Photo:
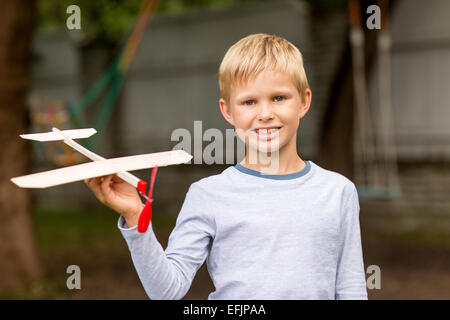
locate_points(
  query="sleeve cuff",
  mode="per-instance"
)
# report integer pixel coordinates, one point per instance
(131, 234)
(127, 233)
(122, 224)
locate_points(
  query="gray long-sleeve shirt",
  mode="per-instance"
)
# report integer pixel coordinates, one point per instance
(294, 236)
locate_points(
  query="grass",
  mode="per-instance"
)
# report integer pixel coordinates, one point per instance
(91, 239)
(82, 229)
(414, 237)
(88, 238)
(408, 228)
(72, 230)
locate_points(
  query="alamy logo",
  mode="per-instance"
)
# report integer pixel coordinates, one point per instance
(374, 20)
(262, 145)
(374, 280)
(73, 281)
(74, 20)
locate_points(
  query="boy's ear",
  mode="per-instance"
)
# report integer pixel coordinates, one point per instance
(226, 111)
(306, 103)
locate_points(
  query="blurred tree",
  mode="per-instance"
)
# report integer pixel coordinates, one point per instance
(19, 261)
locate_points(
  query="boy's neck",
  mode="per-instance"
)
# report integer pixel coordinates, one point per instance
(273, 163)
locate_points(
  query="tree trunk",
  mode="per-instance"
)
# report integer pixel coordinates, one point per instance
(19, 262)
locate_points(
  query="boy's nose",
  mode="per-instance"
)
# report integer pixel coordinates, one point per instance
(265, 112)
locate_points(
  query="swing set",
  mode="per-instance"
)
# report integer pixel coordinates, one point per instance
(375, 155)
(48, 113)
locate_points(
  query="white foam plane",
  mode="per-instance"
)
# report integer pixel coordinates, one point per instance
(99, 166)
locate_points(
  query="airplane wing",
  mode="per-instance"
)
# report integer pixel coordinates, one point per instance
(101, 168)
(54, 136)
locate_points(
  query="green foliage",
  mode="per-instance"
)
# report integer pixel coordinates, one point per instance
(327, 5)
(108, 20)
(111, 20)
(180, 6)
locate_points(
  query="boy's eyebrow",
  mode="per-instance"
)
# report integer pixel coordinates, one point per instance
(245, 96)
(280, 91)
(251, 95)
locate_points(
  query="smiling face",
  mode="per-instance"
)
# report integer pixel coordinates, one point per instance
(266, 111)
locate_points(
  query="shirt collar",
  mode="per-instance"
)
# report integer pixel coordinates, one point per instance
(288, 176)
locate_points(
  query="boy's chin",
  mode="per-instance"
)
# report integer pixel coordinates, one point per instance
(267, 156)
(265, 147)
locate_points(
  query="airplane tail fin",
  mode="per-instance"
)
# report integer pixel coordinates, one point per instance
(55, 136)
(146, 214)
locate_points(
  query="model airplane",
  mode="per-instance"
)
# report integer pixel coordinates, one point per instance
(101, 167)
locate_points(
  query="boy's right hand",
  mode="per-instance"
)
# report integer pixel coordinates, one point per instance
(118, 195)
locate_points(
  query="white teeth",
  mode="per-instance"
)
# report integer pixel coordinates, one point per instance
(266, 131)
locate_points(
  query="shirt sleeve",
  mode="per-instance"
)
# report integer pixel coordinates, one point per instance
(168, 274)
(350, 277)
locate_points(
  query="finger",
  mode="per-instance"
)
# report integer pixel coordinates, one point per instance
(105, 185)
(95, 182)
(88, 182)
(95, 186)
(92, 181)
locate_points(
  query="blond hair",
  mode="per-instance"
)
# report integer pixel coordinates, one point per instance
(251, 55)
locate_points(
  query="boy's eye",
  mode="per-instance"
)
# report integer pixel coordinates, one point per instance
(249, 102)
(278, 98)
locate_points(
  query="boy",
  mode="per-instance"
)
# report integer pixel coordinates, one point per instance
(287, 231)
